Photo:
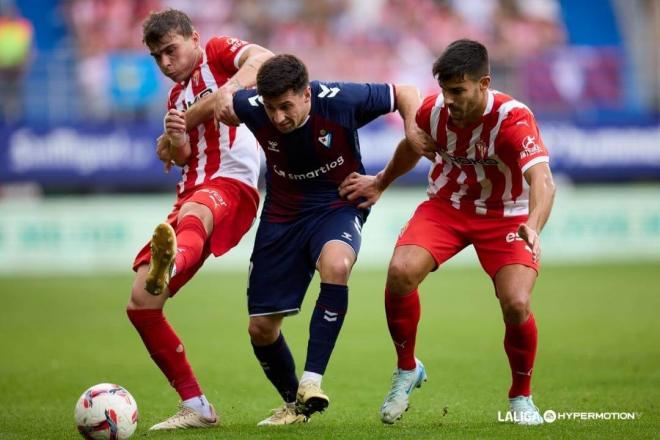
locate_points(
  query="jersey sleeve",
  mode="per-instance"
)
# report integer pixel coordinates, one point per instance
(364, 101)
(523, 135)
(423, 116)
(245, 102)
(225, 52)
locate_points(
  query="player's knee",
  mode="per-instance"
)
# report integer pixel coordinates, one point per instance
(262, 331)
(336, 271)
(516, 309)
(400, 278)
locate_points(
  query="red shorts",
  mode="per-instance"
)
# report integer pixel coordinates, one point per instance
(234, 206)
(444, 231)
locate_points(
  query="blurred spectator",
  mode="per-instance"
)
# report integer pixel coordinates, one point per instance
(375, 40)
(15, 47)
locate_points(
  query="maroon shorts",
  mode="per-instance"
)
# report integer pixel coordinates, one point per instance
(444, 231)
(234, 206)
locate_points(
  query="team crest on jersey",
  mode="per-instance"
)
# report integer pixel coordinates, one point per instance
(481, 149)
(325, 139)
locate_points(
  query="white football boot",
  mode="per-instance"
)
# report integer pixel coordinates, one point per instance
(310, 398)
(403, 384)
(524, 411)
(188, 418)
(285, 415)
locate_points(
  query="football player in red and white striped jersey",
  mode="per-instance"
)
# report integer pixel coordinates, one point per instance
(490, 186)
(217, 196)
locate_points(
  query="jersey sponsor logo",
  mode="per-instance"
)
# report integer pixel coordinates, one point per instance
(272, 146)
(187, 104)
(328, 92)
(234, 43)
(513, 236)
(325, 139)
(468, 161)
(530, 147)
(311, 174)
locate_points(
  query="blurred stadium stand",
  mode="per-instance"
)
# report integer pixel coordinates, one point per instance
(81, 109)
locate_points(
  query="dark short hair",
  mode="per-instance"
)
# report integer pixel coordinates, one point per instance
(462, 58)
(158, 24)
(280, 74)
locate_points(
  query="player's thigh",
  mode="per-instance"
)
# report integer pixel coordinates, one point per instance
(408, 267)
(140, 298)
(514, 283)
(279, 270)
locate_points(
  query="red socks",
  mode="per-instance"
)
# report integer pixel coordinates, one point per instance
(190, 239)
(403, 313)
(166, 350)
(520, 346)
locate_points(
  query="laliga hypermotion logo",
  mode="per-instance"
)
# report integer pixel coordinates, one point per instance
(530, 147)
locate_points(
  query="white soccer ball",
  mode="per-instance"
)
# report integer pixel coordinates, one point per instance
(106, 412)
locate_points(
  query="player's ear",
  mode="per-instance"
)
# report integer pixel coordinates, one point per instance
(195, 37)
(484, 82)
(307, 93)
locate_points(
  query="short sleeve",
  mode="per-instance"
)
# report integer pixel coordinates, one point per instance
(522, 133)
(244, 102)
(225, 52)
(423, 116)
(369, 100)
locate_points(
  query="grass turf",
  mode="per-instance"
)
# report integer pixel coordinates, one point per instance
(598, 351)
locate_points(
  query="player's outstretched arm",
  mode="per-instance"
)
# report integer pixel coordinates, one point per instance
(173, 146)
(541, 197)
(219, 104)
(357, 185)
(408, 101)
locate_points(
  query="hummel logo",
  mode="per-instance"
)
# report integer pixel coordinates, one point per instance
(347, 236)
(330, 316)
(327, 92)
(255, 100)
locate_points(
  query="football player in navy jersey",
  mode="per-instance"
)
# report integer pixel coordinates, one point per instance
(308, 131)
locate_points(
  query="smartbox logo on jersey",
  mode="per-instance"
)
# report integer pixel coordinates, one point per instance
(551, 416)
(311, 174)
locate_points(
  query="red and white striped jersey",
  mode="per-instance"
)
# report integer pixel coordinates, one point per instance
(479, 168)
(217, 151)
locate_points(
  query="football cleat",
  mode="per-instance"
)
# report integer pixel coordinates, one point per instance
(163, 252)
(310, 398)
(524, 411)
(187, 418)
(403, 384)
(285, 415)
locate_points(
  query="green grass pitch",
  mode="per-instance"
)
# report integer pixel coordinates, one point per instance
(599, 351)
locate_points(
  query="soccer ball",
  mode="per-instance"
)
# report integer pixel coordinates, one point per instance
(106, 412)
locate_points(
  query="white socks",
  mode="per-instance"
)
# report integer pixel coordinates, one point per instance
(308, 376)
(199, 404)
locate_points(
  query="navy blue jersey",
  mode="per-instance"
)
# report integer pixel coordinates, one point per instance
(305, 167)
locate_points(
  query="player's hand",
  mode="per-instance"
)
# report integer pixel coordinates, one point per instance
(532, 239)
(223, 107)
(357, 185)
(175, 127)
(421, 142)
(164, 152)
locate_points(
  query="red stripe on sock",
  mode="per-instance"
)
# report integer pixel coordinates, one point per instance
(166, 350)
(190, 239)
(403, 313)
(520, 342)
